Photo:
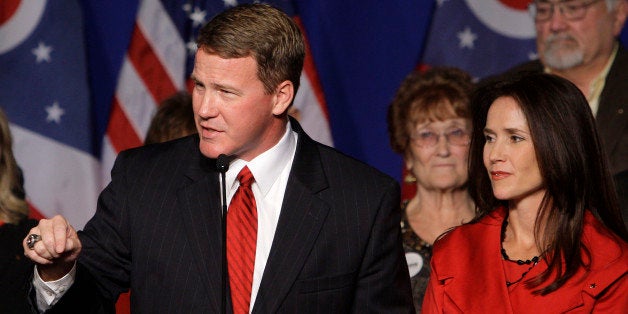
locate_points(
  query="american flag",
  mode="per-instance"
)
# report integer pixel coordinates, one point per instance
(55, 122)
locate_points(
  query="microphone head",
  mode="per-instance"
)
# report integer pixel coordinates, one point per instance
(222, 163)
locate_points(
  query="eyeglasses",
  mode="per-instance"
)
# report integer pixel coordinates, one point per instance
(570, 10)
(427, 138)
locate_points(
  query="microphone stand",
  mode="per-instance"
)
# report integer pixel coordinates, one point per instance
(222, 164)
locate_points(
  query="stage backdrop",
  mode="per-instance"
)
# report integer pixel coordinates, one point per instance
(80, 80)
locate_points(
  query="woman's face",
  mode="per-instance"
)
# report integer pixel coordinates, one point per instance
(437, 154)
(509, 154)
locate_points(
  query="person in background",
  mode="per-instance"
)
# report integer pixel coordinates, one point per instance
(429, 122)
(15, 269)
(578, 40)
(308, 229)
(174, 119)
(621, 184)
(548, 236)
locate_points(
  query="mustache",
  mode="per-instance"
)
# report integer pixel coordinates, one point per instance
(556, 37)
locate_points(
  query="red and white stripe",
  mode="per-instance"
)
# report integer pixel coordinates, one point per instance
(153, 69)
(310, 99)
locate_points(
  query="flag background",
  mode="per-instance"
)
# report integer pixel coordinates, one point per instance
(43, 74)
(75, 85)
(360, 52)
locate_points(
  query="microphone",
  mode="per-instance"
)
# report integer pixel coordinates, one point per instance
(222, 165)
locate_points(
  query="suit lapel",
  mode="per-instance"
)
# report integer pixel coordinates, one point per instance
(202, 213)
(302, 216)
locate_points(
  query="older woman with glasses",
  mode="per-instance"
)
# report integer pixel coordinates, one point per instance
(429, 124)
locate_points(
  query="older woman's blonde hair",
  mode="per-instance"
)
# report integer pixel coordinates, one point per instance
(13, 206)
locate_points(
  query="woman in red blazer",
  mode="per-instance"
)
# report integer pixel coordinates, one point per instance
(549, 235)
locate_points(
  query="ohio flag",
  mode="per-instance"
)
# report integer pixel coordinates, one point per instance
(482, 37)
(44, 91)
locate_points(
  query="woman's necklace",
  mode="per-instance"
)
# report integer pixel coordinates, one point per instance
(532, 262)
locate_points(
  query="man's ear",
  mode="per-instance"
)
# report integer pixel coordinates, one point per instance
(284, 94)
(621, 11)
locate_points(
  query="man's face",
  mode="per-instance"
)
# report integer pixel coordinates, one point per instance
(565, 44)
(233, 114)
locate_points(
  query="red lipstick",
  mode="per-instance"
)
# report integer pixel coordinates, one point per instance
(498, 175)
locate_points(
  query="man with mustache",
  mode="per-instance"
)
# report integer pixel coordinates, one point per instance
(577, 39)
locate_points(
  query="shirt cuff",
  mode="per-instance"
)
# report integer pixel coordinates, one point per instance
(48, 293)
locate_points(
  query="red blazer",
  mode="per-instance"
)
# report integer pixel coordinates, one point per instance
(468, 275)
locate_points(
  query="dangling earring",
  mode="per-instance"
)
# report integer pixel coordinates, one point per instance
(409, 178)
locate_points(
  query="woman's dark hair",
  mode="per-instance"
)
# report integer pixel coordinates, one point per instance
(571, 161)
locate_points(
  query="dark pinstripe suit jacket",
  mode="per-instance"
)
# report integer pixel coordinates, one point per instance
(337, 247)
(612, 114)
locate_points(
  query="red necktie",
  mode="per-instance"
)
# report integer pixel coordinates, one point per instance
(241, 242)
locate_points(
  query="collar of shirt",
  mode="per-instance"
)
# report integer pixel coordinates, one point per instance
(597, 85)
(266, 167)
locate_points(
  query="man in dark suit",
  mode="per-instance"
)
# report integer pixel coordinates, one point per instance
(578, 41)
(621, 185)
(327, 238)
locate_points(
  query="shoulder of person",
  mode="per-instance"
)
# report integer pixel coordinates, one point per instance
(164, 157)
(606, 262)
(468, 234)
(339, 163)
(622, 53)
(157, 150)
(334, 162)
(605, 248)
